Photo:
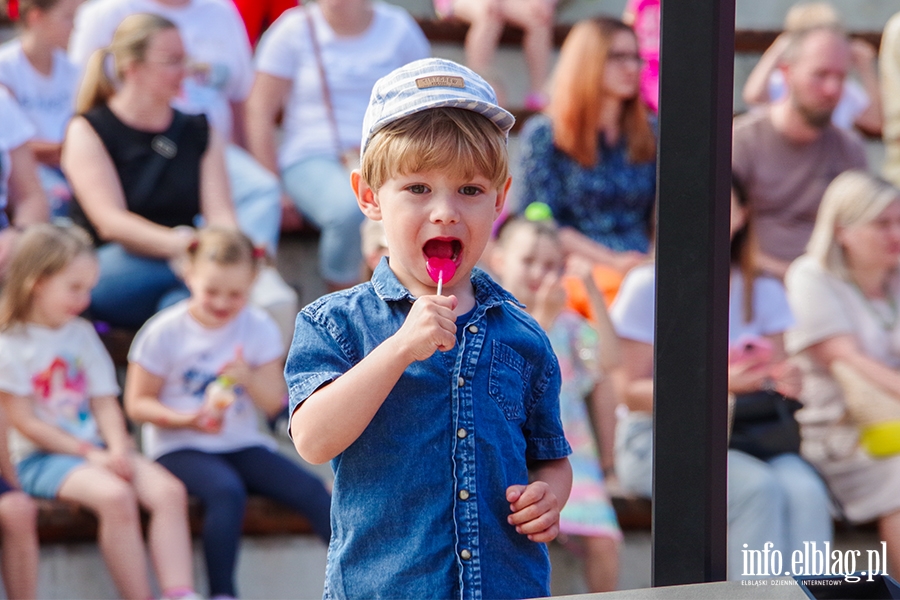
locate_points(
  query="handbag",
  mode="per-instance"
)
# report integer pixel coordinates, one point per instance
(874, 410)
(348, 158)
(764, 425)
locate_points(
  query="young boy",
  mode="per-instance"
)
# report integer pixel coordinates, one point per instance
(440, 413)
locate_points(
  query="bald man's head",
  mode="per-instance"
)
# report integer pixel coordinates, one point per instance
(815, 66)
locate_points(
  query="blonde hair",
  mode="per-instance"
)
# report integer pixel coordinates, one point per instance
(578, 91)
(224, 246)
(797, 40)
(853, 198)
(129, 45)
(810, 15)
(43, 251)
(458, 141)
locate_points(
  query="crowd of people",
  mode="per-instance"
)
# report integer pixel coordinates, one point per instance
(151, 152)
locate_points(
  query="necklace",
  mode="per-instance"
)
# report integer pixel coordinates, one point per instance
(886, 318)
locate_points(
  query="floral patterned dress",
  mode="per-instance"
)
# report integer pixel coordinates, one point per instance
(589, 511)
(611, 202)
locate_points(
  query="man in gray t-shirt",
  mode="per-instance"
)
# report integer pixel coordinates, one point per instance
(786, 154)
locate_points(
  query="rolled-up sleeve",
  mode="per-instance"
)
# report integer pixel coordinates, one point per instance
(316, 357)
(543, 427)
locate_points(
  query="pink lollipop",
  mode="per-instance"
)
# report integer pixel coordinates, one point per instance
(440, 269)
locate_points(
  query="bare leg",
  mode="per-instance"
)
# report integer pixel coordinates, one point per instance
(112, 499)
(601, 563)
(536, 20)
(168, 534)
(18, 522)
(485, 28)
(889, 528)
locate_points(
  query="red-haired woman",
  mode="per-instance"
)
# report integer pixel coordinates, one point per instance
(591, 156)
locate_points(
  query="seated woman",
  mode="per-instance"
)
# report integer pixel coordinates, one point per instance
(143, 173)
(22, 201)
(591, 157)
(844, 292)
(780, 500)
(318, 64)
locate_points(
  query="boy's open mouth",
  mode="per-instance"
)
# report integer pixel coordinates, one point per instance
(447, 248)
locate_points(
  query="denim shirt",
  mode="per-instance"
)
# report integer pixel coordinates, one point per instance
(419, 504)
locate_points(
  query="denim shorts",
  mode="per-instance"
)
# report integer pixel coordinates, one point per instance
(41, 474)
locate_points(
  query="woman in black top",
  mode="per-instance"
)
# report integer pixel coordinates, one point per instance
(142, 172)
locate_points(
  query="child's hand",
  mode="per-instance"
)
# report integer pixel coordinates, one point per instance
(535, 511)
(788, 378)
(120, 464)
(747, 375)
(429, 326)
(207, 421)
(238, 370)
(117, 462)
(549, 300)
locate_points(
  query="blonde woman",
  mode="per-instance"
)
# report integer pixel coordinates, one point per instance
(140, 222)
(845, 293)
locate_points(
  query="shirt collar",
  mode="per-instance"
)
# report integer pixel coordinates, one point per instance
(487, 292)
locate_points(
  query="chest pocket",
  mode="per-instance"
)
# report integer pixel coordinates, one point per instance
(510, 374)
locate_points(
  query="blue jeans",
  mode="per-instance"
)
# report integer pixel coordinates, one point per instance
(257, 198)
(222, 481)
(132, 288)
(782, 500)
(320, 187)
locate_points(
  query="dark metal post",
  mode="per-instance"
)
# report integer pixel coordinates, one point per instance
(690, 407)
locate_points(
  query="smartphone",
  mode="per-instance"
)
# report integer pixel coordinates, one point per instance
(753, 348)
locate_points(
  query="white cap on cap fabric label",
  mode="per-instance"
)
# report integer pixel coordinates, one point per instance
(424, 83)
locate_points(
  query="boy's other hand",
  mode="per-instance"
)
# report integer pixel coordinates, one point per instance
(430, 326)
(535, 511)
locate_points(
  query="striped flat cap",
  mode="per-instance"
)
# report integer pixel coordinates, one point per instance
(430, 83)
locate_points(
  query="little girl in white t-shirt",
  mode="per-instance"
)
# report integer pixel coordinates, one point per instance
(36, 70)
(58, 385)
(199, 372)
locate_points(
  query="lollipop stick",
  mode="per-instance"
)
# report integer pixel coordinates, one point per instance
(440, 282)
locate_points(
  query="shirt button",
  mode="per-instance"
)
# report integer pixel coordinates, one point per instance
(463, 494)
(473, 329)
(461, 433)
(465, 555)
(460, 382)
